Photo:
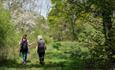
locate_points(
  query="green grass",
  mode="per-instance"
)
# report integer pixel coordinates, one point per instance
(55, 59)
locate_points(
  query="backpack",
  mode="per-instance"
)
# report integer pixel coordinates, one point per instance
(41, 46)
(41, 43)
(24, 44)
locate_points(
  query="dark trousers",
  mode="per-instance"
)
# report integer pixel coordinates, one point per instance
(41, 56)
(24, 56)
(24, 53)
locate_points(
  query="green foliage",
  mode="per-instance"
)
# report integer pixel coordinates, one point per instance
(84, 21)
(4, 25)
(56, 45)
(6, 32)
(57, 18)
(74, 35)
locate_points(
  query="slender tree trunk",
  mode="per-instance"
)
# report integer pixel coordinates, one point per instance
(107, 23)
(73, 30)
(107, 26)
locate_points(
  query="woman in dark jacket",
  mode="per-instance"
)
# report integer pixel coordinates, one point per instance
(41, 49)
(24, 48)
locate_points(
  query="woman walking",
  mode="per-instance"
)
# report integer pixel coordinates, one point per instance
(24, 48)
(41, 49)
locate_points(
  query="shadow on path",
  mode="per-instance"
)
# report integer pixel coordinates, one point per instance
(14, 64)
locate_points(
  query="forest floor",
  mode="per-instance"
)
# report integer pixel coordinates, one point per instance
(55, 59)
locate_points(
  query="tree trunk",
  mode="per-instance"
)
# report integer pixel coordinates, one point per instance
(107, 23)
(107, 26)
(73, 30)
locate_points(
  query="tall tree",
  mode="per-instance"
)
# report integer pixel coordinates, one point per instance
(106, 8)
